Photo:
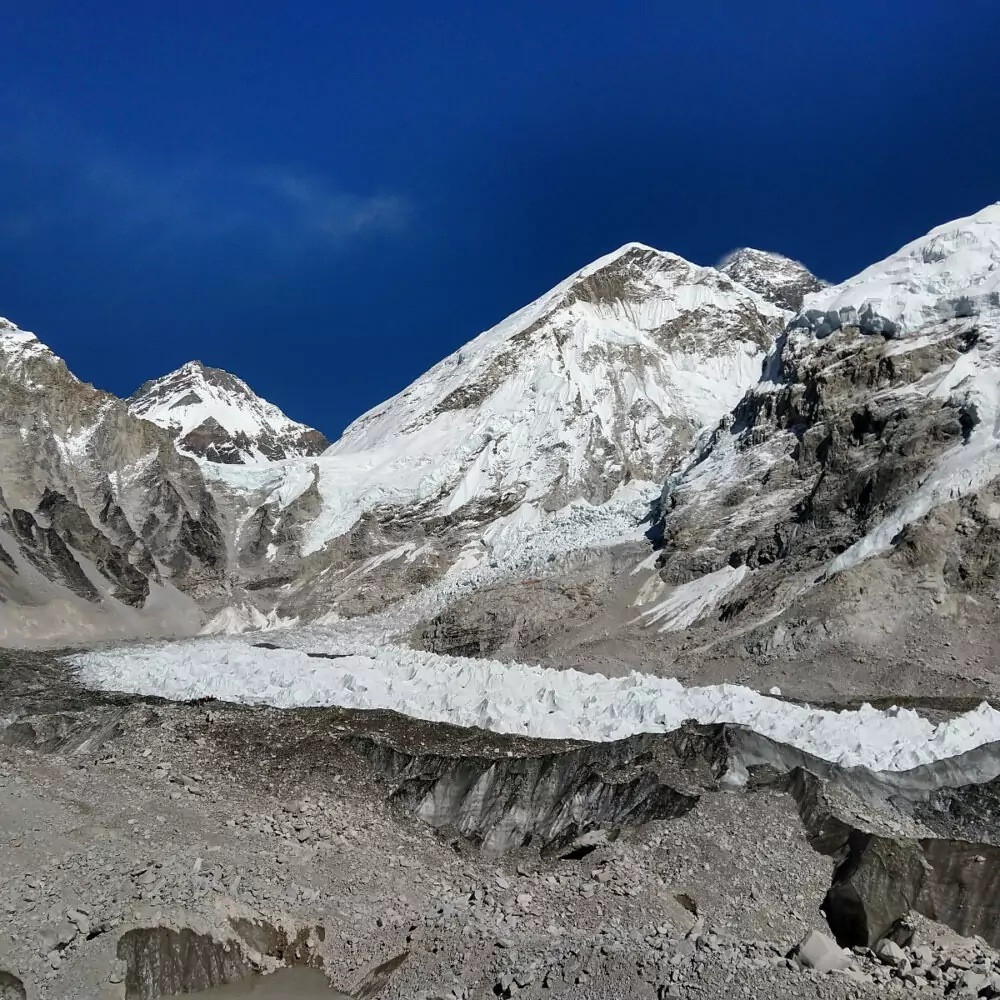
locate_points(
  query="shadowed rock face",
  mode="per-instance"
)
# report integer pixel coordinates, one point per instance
(275, 942)
(550, 802)
(839, 461)
(11, 988)
(954, 882)
(162, 962)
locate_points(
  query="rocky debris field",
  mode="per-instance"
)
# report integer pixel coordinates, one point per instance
(150, 847)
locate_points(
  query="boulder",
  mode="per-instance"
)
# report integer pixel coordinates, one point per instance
(882, 879)
(819, 952)
(889, 953)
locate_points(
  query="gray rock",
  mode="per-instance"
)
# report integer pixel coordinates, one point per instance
(57, 936)
(972, 982)
(80, 920)
(889, 953)
(819, 952)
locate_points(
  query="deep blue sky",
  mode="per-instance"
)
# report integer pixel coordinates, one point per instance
(326, 198)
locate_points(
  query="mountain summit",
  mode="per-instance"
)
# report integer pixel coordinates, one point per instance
(780, 280)
(601, 384)
(603, 379)
(216, 416)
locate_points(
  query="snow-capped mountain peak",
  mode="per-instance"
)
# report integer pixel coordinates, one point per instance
(216, 416)
(25, 360)
(17, 342)
(634, 308)
(778, 279)
(598, 383)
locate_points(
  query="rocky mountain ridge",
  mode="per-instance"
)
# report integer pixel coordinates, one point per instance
(104, 527)
(879, 408)
(793, 446)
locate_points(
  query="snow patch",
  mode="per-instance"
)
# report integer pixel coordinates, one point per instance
(691, 600)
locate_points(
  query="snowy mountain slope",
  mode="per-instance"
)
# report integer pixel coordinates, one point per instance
(952, 272)
(104, 528)
(216, 416)
(875, 431)
(606, 379)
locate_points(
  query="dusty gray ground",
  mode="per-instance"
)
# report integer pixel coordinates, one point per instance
(131, 842)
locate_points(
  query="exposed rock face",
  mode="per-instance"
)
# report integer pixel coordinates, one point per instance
(554, 802)
(98, 511)
(163, 962)
(216, 416)
(778, 279)
(881, 880)
(871, 434)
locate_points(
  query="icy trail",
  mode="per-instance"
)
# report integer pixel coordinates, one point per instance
(514, 698)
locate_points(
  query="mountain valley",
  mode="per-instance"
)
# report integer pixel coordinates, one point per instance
(643, 646)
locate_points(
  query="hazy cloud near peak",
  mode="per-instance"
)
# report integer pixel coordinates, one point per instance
(279, 206)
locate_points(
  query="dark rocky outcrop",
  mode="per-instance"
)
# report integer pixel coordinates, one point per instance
(11, 988)
(164, 961)
(954, 882)
(161, 962)
(778, 279)
(551, 801)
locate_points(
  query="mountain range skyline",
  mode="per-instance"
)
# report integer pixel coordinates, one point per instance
(166, 194)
